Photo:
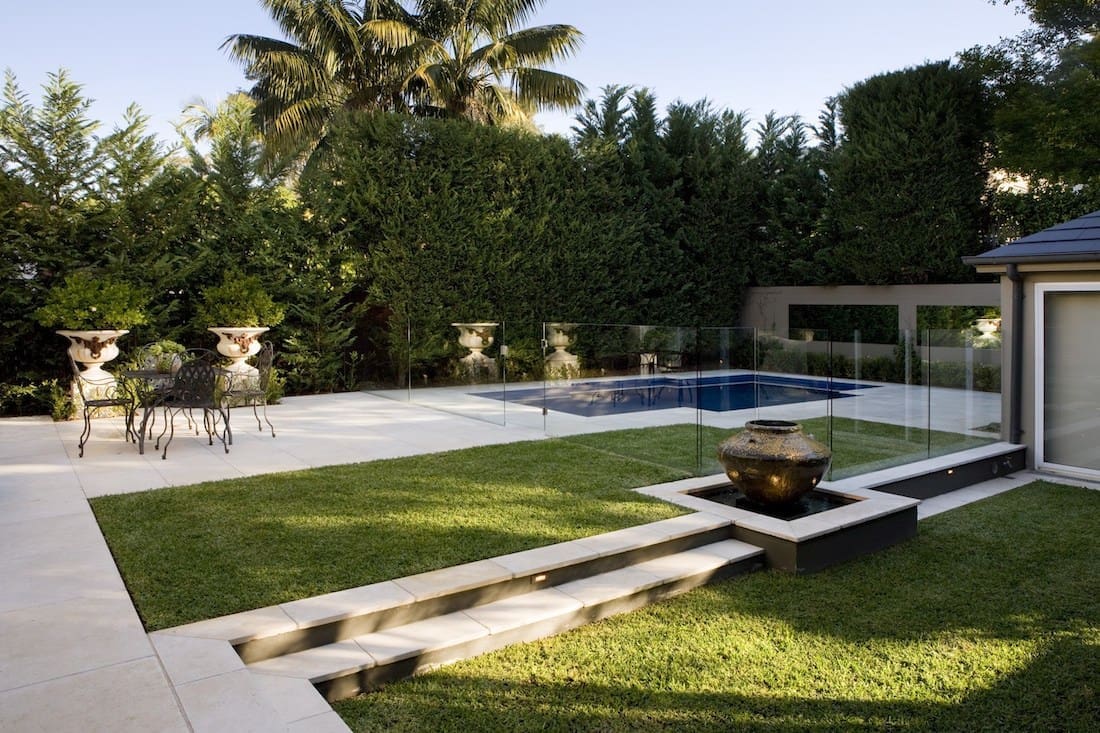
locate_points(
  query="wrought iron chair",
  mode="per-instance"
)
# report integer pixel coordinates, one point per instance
(247, 390)
(194, 387)
(150, 372)
(99, 395)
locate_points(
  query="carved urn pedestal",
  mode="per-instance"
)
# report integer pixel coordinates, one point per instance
(237, 344)
(561, 364)
(93, 349)
(477, 337)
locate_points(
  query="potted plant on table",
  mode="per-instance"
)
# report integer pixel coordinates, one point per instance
(244, 307)
(94, 311)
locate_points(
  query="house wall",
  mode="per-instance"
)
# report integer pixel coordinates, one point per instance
(1033, 275)
(1031, 387)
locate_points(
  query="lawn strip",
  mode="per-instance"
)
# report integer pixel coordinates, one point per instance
(989, 620)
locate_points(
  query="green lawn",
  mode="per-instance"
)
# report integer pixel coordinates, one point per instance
(858, 446)
(989, 620)
(202, 551)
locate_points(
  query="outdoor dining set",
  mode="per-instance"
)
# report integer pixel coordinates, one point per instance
(191, 383)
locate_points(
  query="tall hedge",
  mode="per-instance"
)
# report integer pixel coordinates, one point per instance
(453, 221)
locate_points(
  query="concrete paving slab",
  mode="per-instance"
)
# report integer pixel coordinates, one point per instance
(294, 699)
(54, 575)
(228, 702)
(529, 608)
(131, 697)
(608, 586)
(49, 641)
(416, 639)
(436, 583)
(328, 722)
(187, 658)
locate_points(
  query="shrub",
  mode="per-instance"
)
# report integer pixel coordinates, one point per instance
(88, 302)
(239, 301)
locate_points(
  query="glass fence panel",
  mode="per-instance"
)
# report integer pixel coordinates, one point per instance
(456, 368)
(963, 368)
(726, 390)
(625, 389)
(879, 406)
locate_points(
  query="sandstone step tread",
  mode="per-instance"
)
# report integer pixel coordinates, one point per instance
(379, 598)
(562, 605)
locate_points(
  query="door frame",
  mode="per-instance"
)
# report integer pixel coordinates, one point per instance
(1041, 290)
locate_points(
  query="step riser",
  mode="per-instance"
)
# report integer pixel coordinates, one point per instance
(358, 682)
(298, 640)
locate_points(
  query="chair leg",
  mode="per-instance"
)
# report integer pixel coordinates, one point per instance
(227, 435)
(268, 421)
(86, 432)
(171, 426)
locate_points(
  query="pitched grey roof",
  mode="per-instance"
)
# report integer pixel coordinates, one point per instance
(1077, 240)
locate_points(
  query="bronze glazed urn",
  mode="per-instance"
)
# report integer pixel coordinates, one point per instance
(773, 461)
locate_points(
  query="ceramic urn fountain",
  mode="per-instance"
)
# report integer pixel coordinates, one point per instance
(773, 461)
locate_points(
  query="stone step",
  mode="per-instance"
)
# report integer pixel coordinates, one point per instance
(333, 617)
(366, 661)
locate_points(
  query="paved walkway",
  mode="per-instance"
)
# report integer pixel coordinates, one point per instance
(73, 653)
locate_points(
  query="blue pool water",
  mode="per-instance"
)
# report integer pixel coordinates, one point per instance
(716, 394)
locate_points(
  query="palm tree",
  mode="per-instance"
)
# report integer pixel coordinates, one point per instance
(478, 63)
(459, 58)
(331, 61)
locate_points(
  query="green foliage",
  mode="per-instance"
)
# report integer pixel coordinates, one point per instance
(1044, 204)
(240, 301)
(452, 221)
(48, 397)
(472, 61)
(876, 323)
(51, 147)
(87, 301)
(319, 349)
(1047, 127)
(908, 180)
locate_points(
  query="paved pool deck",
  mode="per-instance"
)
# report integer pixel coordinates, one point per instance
(73, 653)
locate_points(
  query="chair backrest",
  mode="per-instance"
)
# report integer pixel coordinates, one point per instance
(77, 376)
(203, 355)
(194, 385)
(264, 360)
(152, 357)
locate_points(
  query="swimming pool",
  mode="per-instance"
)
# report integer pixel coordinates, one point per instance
(715, 394)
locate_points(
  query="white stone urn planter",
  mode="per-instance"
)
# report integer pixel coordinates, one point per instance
(988, 326)
(93, 349)
(561, 364)
(477, 337)
(237, 344)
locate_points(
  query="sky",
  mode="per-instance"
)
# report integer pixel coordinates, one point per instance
(754, 56)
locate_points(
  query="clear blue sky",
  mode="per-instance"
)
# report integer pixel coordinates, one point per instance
(751, 55)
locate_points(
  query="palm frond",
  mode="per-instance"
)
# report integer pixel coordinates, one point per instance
(499, 17)
(547, 89)
(545, 43)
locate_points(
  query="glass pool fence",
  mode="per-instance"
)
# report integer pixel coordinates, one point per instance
(670, 394)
